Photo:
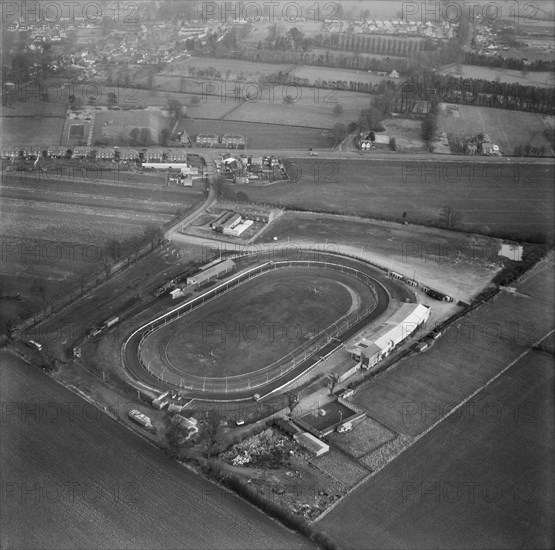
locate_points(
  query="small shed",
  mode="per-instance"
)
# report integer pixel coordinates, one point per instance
(311, 443)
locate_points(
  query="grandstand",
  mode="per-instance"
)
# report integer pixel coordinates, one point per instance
(401, 325)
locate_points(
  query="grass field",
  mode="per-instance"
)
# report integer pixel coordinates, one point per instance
(532, 78)
(497, 200)
(27, 131)
(506, 128)
(332, 73)
(312, 107)
(53, 231)
(114, 126)
(422, 388)
(74, 478)
(482, 481)
(258, 323)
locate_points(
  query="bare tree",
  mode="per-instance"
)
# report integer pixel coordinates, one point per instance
(332, 380)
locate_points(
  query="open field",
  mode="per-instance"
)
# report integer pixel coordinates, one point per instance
(498, 199)
(261, 136)
(258, 323)
(490, 465)
(315, 74)
(421, 388)
(114, 126)
(30, 130)
(72, 477)
(532, 78)
(457, 264)
(506, 128)
(311, 107)
(53, 230)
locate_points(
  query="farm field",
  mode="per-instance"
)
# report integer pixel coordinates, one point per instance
(261, 136)
(491, 465)
(497, 200)
(328, 73)
(54, 231)
(453, 262)
(257, 324)
(533, 78)
(506, 128)
(311, 107)
(421, 388)
(77, 478)
(26, 131)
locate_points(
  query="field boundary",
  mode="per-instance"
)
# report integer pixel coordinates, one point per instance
(417, 438)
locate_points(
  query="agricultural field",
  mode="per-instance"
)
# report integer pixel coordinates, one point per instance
(258, 323)
(532, 78)
(260, 136)
(328, 73)
(497, 199)
(421, 388)
(489, 465)
(27, 131)
(72, 475)
(311, 107)
(54, 230)
(507, 129)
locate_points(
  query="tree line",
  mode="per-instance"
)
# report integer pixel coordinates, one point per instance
(431, 86)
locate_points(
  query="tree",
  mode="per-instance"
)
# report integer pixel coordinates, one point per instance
(338, 109)
(370, 119)
(292, 401)
(449, 217)
(112, 248)
(154, 234)
(145, 137)
(339, 132)
(332, 380)
(175, 108)
(212, 432)
(112, 98)
(134, 135)
(165, 135)
(428, 127)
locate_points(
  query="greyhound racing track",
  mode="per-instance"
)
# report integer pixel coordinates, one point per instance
(145, 352)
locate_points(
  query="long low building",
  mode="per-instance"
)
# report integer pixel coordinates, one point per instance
(212, 273)
(400, 326)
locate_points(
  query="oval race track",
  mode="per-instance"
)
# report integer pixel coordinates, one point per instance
(146, 364)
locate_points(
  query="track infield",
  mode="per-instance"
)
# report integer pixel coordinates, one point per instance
(257, 323)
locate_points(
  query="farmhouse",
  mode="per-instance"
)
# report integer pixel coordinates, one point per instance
(400, 326)
(211, 274)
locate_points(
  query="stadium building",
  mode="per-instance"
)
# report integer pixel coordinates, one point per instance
(400, 326)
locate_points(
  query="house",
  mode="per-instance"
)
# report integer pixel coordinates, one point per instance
(393, 74)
